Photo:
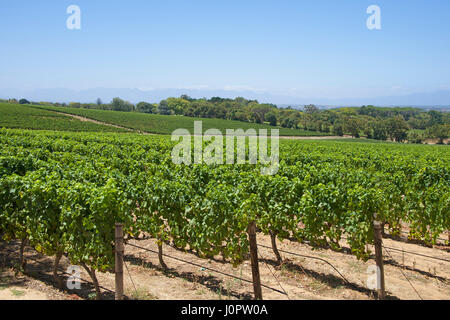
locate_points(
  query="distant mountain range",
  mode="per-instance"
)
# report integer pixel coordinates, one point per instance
(435, 100)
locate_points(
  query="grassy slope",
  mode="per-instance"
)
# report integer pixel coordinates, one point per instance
(26, 117)
(154, 123)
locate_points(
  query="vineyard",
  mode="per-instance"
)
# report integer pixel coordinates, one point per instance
(62, 193)
(24, 117)
(164, 124)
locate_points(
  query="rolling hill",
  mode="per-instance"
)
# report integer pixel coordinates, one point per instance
(162, 124)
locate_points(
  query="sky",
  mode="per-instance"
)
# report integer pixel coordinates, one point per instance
(319, 48)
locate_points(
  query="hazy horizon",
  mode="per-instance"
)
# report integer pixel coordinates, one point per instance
(430, 99)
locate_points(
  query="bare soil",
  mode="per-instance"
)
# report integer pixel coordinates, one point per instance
(407, 276)
(84, 119)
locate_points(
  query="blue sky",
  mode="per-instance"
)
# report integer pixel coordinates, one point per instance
(297, 48)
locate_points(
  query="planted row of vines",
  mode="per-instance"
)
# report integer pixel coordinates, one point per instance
(62, 193)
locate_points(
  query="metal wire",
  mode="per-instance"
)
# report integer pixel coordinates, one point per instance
(418, 254)
(414, 253)
(311, 257)
(276, 279)
(129, 274)
(200, 266)
(59, 268)
(403, 273)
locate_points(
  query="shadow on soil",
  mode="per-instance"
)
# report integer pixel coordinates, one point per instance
(424, 273)
(40, 267)
(387, 260)
(330, 280)
(212, 283)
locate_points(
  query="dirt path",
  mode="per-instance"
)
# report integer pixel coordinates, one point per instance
(84, 119)
(81, 118)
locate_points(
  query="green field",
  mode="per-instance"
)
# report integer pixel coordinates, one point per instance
(154, 123)
(25, 117)
(64, 191)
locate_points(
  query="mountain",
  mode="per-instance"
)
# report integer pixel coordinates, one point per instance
(436, 99)
(427, 99)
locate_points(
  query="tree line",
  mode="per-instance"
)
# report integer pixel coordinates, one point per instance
(381, 123)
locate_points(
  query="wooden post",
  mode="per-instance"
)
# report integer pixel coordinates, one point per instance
(379, 260)
(119, 250)
(23, 262)
(254, 260)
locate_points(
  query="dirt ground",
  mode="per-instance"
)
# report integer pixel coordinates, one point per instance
(406, 275)
(17, 286)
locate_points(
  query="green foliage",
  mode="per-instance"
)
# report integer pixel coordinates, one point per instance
(65, 191)
(118, 104)
(353, 125)
(390, 123)
(155, 123)
(29, 117)
(145, 107)
(378, 130)
(415, 137)
(396, 128)
(163, 108)
(438, 131)
(338, 129)
(271, 117)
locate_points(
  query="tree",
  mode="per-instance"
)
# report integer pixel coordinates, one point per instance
(75, 105)
(118, 104)
(24, 101)
(440, 132)
(186, 97)
(397, 128)
(353, 125)
(338, 128)
(415, 137)
(163, 108)
(310, 108)
(289, 118)
(177, 105)
(258, 111)
(145, 107)
(378, 130)
(271, 117)
(435, 117)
